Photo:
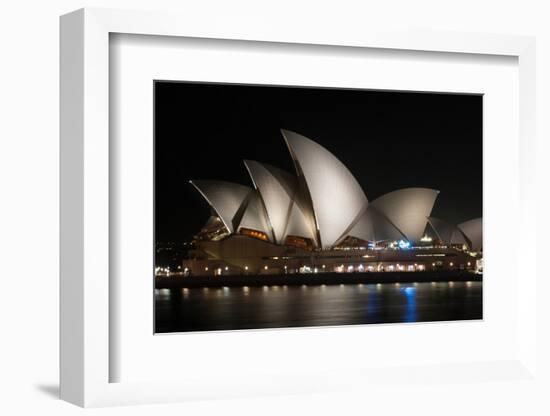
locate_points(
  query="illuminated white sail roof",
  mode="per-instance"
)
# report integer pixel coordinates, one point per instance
(299, 224)
(473, 229)
(228, 199)
(373, 226)
(254, 216)
(447, 232)
(277, 189)
(325, 203)
(408, 209)
(336, 197)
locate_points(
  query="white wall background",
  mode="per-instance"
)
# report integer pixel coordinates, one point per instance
(29, 196)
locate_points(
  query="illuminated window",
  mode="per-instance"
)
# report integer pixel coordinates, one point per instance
(304, 243)
(254, 234)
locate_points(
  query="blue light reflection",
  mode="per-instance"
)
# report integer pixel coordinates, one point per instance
(410, 310)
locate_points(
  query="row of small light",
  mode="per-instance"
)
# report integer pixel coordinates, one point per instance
(246, 289)
(350, 267)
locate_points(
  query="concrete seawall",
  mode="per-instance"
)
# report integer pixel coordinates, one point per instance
(316, 279)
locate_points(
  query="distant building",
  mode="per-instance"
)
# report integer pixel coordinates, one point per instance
(319, 220)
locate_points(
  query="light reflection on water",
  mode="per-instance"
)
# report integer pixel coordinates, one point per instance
(247, 307)
(410, 294)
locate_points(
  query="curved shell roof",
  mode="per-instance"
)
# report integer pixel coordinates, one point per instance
(407, 209)
(473, 229)
(300, 224)
(447, 232)
(373, 226)
(254, 216)
(336, 196)
(325, 203)
(287, 213)
(228, 199)
(277, 189)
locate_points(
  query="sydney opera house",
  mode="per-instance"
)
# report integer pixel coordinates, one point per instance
(319, 219)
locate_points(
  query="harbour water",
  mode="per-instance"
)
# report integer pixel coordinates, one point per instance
(280, 306)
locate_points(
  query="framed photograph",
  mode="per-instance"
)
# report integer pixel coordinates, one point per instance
(293, 240)
(268, 213)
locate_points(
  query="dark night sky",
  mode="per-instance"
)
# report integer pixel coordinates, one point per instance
(388, 140)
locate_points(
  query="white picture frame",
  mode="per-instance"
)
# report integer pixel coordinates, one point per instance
(85, 178)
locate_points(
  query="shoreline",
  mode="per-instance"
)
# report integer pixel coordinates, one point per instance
(162, 282)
